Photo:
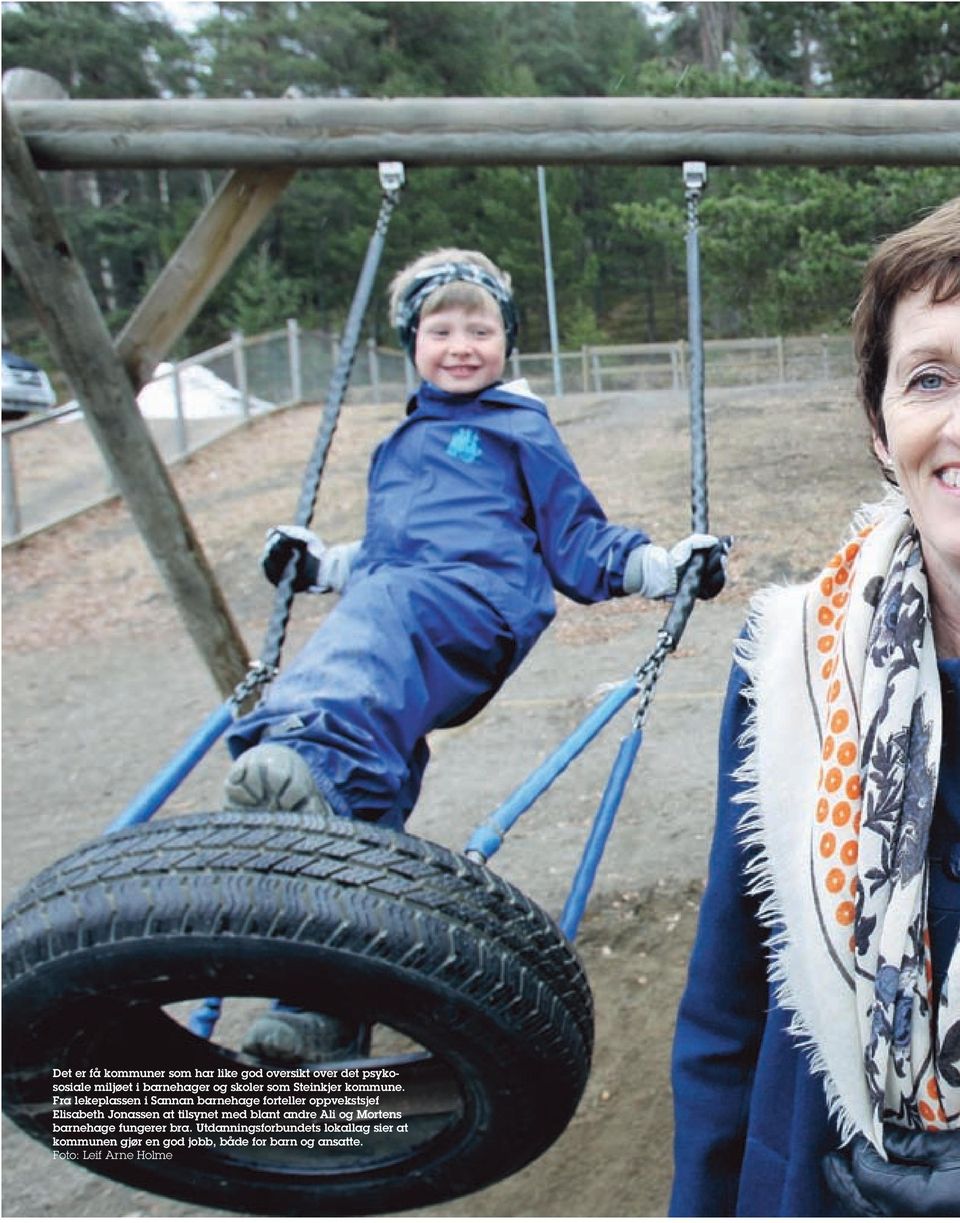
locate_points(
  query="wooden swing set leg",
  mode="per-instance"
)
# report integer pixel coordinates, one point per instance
(106, 376)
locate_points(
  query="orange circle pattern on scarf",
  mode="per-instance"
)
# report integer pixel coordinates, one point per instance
(838, 783)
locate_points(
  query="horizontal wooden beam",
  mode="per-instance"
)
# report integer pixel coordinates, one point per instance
(67, 135)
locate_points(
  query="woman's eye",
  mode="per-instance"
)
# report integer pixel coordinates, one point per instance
(927, 380)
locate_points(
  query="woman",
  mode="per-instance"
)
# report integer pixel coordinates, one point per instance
(816, 1066)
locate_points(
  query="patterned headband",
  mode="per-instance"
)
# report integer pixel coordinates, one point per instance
(408, 309)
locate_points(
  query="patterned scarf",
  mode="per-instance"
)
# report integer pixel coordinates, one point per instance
(842, 773)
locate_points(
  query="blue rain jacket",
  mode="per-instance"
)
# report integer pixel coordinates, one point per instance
(751, 1120)
(475, 513)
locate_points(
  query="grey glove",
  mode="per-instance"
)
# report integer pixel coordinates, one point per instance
(319, 569)
(656, 572)
(921, 1177)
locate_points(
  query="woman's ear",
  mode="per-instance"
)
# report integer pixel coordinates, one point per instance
(886, 462)
(881, 451)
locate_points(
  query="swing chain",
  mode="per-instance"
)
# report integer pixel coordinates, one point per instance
(648, 673)
(258, 675)
(391, 181)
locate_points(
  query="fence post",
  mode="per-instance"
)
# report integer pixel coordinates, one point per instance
(11, 505)
(240, 372)
(682, 358)
(410, 377)
(178, 407)
(296, 369)
(597, 375)
(515, 363)
(585, 367)
(373, 365)
(781, 361)
(674, 368)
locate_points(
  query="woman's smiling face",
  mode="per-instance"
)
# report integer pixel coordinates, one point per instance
(921, 416)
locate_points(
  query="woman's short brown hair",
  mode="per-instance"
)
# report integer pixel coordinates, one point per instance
(927, 255)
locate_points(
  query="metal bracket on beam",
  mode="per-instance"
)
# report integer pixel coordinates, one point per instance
(391, 175)
(695, 176)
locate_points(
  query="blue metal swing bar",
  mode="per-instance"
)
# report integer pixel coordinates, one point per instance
(489, 836)
(156, 792)
(600, 830)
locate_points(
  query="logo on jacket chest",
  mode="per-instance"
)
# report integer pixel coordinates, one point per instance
(465, 445)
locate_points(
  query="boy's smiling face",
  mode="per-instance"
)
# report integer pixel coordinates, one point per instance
(460, 350)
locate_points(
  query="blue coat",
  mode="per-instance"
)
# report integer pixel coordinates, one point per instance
(483, 488)
(475, 513)
(751, 1122)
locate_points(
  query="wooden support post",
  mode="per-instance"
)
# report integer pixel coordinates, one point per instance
(53, 279)
(206, 254)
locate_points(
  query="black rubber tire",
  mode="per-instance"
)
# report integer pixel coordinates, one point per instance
(369, 924)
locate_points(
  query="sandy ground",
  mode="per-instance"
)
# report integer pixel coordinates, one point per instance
(101, 685)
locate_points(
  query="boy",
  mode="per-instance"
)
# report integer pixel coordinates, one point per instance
(476, 512)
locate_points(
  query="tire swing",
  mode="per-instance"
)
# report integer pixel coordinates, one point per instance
(483, 1003)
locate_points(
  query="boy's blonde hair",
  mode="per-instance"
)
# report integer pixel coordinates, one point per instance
(450, 277)
(441, 296)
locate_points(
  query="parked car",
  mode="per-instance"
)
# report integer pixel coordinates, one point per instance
(26, 388)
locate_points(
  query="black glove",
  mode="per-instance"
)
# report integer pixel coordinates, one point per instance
(713, 575)
(285, 542)
(920, 1179)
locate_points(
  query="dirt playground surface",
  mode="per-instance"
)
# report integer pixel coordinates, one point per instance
(101, 685)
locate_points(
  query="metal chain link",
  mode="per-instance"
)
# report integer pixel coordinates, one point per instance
(647, 675)
(257, 677)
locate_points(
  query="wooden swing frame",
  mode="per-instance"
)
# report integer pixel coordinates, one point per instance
(262, 143)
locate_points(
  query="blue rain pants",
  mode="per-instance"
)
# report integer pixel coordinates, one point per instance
(404, 651)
